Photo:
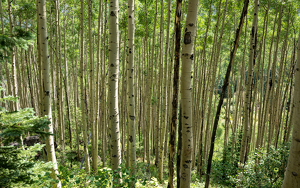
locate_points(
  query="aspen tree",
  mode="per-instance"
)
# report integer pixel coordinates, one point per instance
(162, 97)
(103, 109)
(254, 113)
(7, 73)
(224, 87)
(131, 87)
(150, 77)
(14, 63)
(292, 173)
(204, 93)
(123, 97)
(212, 79)
(19, 78)
(137, 94)
(113, 79)
(91, 93)
(75, 89)
(264, 93)
(16, 105)
(98, 80)
(288, 126)
(272, 81)
(66, 83)
(156, 103)
(46, 97)
(267, 89)
(39, 65)
(35, 80)
(83, 110)
(122, 86)
(144, 120)
(24, 80)
(281, 115)
(240, 89)
(170, 89)
(289, 118)
(186, 93)
(30, 83)
(259, 125)
(247, 105)
(59, 89)
(52, 68)
(279, 88)
(173, 126)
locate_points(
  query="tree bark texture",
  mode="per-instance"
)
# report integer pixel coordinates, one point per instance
(186, 93)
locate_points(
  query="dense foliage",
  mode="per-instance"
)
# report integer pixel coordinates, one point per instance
(78, 56)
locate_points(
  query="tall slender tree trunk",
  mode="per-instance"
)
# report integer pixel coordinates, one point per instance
(82, 88)
(179, 146)
(150, 78)
(186, 94)
(103, 109)
(226, 80)
(92, 91)
(173, 126)
(15, 93)
(7, 74)
(46, 92)
(247, 105)
(113, 79)
(66, 83)
(163, 78)
(292, 174)
(213, 64)
(272, 81)
(131, 88)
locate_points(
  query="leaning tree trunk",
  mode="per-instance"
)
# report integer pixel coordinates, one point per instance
(46, 97)
(226, 80)
(186, 94)
(113, 79)
(292, 174)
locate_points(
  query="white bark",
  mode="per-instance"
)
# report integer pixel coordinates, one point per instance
(113, 79)
(46, 97)
(131, 87)
(247, 104)
(186, 94)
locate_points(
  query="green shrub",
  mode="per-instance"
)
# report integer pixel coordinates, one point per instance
(264, 169)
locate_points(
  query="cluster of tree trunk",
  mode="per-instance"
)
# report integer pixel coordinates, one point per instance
(86, 73)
